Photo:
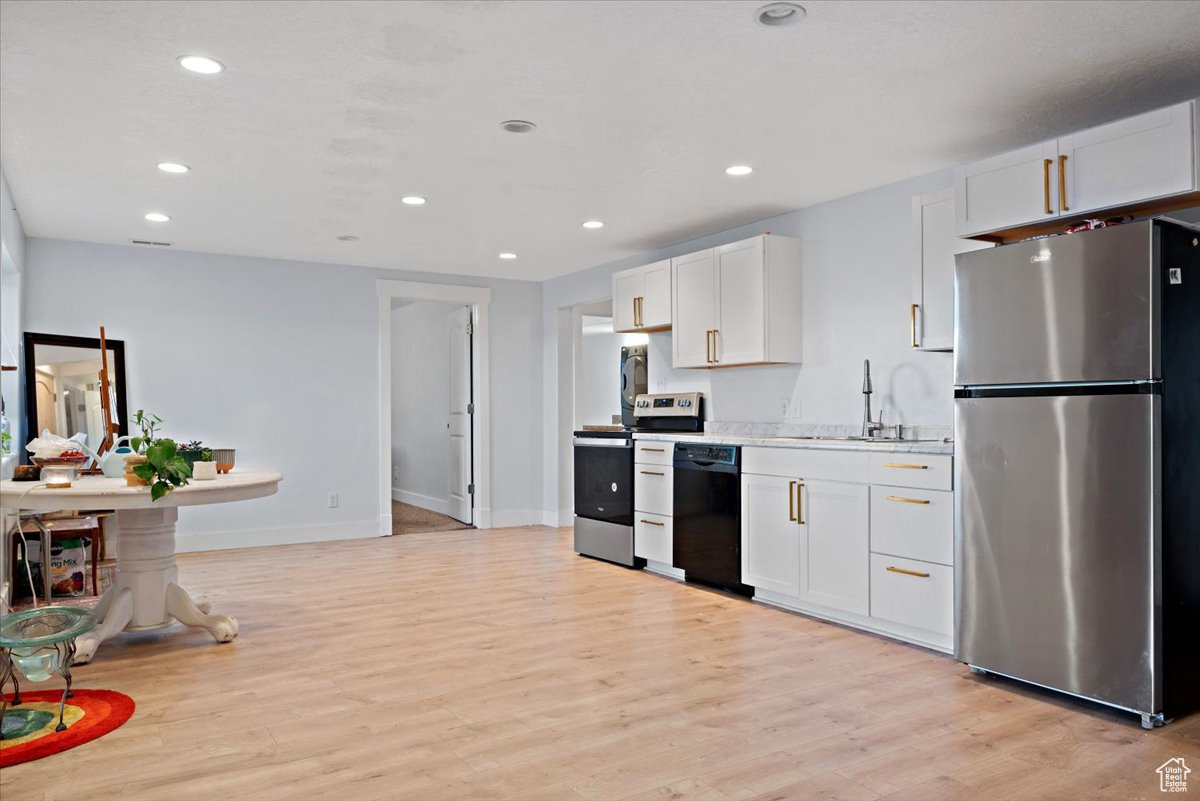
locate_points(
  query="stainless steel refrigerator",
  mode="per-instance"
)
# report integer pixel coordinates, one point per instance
(1077, 422)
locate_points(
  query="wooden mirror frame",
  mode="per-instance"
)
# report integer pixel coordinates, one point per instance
(116, 371)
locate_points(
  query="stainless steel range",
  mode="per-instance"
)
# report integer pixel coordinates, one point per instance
(604, 474)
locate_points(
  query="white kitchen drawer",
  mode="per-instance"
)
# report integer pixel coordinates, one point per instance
(650, 452)
(920, 470)
(652, 537)
(917, 594)
(914, 523)
(653, 489)
(806, 463)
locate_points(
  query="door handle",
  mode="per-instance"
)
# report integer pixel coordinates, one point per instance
(912, 324)
(898, 499)
(792, 501)
(901, 570)
(800, 503)
(1062, 183)
(1046, 183)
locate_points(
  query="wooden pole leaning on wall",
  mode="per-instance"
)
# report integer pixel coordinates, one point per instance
(106, 410)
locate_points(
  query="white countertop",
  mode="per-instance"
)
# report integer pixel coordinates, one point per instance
(892, 446)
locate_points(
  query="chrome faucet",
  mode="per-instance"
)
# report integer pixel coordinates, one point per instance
(870, 427)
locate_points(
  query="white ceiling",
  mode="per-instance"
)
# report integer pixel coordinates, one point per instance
(329, 112)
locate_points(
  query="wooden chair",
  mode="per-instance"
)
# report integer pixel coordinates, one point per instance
(53, 527)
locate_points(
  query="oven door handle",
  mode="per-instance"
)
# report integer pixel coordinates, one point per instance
(598, 442)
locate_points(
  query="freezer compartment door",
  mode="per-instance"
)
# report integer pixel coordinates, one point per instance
(1057, 541)
(1071, 308)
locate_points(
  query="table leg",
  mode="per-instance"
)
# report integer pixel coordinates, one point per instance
(180, 605)
(145, 595)
(116, 616)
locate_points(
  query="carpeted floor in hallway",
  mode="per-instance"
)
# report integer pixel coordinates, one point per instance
(408, 519)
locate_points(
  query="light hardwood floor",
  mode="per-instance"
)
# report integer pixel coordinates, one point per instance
(499, 665)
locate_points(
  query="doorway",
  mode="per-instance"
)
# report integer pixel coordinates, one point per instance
(433, 407)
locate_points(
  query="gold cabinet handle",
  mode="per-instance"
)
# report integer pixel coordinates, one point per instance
(1062, 183)
(635, 322)
(1046, 183)
(654, 450)
(641, 311)
(652, 473)
(653, 523)
(898, 499)
(791, 501)
(912, 324)
(906, 466)
(715, 332)
(799, 503)
(708, 347)
(901, 570)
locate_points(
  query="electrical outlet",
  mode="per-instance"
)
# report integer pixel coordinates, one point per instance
(333, 500)
(396, 473)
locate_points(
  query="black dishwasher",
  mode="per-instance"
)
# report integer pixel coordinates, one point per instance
(708, 515)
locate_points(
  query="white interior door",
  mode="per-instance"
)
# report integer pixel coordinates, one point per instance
(461, 411)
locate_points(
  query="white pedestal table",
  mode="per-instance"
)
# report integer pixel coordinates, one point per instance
(145, 595)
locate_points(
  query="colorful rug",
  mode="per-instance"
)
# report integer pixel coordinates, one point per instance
(29, 728)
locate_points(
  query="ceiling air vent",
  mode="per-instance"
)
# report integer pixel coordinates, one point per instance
(148, 243)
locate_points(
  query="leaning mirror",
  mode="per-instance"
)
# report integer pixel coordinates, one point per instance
(63, 389)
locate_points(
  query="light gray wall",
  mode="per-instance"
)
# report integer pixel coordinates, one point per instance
(598, 375)
(857, 290)
(420, 403)
(280, 360)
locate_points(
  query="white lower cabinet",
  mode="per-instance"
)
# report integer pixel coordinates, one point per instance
(652, 537)
(770, 534)
(820, 536)
(912, 593)
(835, 545)
(653, 488)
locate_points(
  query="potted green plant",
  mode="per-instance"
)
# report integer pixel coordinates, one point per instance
(156, 461)
(194, 451)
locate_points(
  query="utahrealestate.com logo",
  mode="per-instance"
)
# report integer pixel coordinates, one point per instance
(1172, 776)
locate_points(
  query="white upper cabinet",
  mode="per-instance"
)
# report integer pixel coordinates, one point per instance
(694, 298)
(738, 304)
(642, 298)
(931, 314)
(1008, 190)
(1129, 161)
(1149, 157)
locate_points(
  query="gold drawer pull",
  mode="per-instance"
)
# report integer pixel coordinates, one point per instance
(912, 324)
(791, 501)
(903, 466)
(654, 450)
(1046, 184)
(653, 523)
(800, 504)
(652, 473)
(898, 499)
(916, 573)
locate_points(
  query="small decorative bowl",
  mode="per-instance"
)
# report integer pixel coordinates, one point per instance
(224, 457)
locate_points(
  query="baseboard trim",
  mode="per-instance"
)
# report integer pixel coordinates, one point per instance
(427, 502)
(510, 518)
(194, 541)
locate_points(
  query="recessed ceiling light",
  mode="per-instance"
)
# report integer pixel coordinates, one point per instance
(593, 224)
(413, 200)
(172, 167)
(157, 216)
(739, 169)
(518, 126)
(201, 64)
(508, 256)
(775, 14)
(347, 238)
